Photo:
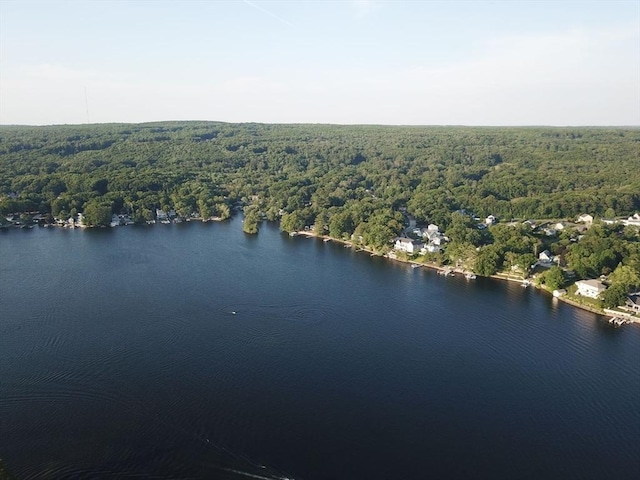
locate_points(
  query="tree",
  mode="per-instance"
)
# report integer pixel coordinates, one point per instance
(487, 261)
(554, 278)
(463, 229)
(461, 253)
(223, 211)
(614, 296)
(96, 213)
(204, 208)
(625, 276)
(341, 225)
(272, 213)
(142, 215)
(251, 219)
(321, 221)
(292, 222)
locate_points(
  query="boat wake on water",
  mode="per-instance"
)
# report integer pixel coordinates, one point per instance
(252, 475)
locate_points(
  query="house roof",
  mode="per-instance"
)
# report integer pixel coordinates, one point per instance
(634, 299)
(403, 240)
(597, 284)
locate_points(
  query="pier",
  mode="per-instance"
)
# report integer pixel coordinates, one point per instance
(620, 318)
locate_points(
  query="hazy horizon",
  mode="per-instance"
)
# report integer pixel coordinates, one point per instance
(360, 62)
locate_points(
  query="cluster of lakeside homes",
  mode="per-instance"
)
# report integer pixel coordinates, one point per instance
(431, 241)
(420, 241)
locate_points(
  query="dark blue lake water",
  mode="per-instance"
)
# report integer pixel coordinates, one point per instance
(121, 356)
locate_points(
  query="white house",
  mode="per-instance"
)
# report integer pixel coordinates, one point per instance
(590, 288)
(430, 248)
(161, 214)
(490, 220)
(585, 218)
(559, 226)
(403, 244)
(633, 220)
(545, 257)
(633, 303)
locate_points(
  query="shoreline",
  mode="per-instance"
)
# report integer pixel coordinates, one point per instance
(599, 312)
(439, 269)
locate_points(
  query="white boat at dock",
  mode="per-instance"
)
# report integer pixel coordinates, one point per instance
(470, 276)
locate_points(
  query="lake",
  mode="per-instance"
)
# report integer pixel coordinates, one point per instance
(195, 351)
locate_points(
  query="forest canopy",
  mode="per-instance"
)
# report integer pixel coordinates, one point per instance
(349, 176)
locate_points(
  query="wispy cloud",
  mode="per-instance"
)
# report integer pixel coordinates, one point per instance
(48, 71)
(271, 14)
(364, 8)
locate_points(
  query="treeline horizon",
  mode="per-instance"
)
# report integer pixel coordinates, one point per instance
(509, 172)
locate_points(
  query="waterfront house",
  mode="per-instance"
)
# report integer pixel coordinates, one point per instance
(403, 244)
(590, 288)
(429, 248)
(545, 257)
(633, 303)
(633, 221)
(585, 218)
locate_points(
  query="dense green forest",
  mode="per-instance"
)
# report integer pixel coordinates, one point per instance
(345, 179)
(353, 171)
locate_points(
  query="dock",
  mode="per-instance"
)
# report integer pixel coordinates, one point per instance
(618, 321)
(620, 318)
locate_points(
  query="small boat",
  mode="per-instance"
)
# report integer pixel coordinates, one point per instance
(293, 234)
(470, 276)
(413, 265)
(325, 240)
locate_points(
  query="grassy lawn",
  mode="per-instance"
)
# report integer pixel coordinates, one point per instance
(591, 302)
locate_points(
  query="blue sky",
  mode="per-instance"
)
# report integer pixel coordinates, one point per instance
(382, 62)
